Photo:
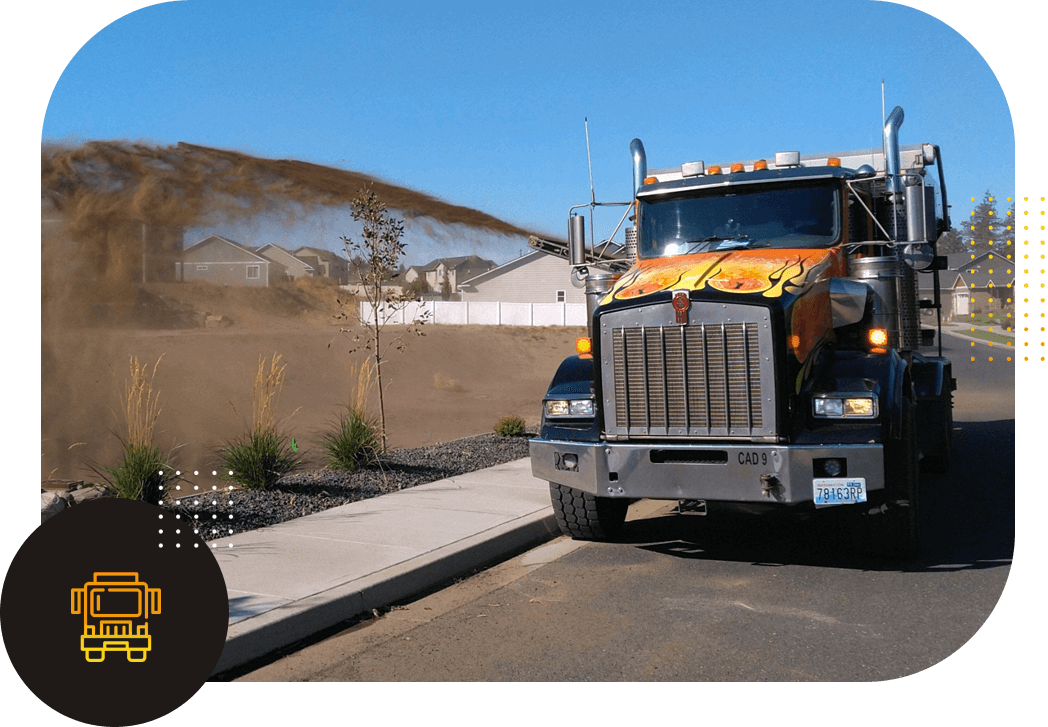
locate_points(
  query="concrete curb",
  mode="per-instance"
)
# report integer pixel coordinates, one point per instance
(260, 635)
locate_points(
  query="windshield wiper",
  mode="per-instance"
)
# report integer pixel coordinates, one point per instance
(713, 238)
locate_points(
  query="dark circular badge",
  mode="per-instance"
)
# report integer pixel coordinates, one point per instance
(114, 613)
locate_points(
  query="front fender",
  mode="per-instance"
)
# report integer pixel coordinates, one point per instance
(886, 375)
(574, 377)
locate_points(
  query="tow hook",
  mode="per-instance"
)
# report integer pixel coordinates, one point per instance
(770, 486)
(691, 507)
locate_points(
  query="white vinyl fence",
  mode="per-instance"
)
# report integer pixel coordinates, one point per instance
(482, 313)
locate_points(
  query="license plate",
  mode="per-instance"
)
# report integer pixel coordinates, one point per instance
(839, 490)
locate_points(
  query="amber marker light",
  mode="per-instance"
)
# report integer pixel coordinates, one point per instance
(737, 167)
(795, 341)
(760, 165)
(714, 170)
(584, 347)
(878, 338)
(651, 180)
(833, 162)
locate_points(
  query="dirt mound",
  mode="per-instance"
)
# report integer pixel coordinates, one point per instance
(173, 306)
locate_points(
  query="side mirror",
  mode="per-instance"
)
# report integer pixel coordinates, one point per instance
(918, 255)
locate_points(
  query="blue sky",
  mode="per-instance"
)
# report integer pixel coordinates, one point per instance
(483, 104)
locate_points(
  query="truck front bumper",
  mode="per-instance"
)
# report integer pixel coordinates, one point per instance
(715, 472)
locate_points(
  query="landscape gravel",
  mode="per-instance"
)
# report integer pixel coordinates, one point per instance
(223, 513)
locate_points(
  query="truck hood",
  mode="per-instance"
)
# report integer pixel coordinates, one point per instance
(763, 272)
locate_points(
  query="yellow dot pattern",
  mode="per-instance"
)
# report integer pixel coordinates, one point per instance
(1001, 328)
(1030, 282)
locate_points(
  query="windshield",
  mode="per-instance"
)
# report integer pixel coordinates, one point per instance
(739, 217)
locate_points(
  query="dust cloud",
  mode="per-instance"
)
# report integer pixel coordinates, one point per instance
(114, 214)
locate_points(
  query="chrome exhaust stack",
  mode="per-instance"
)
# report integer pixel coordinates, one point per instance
(640, 164)
(893, 282)
(892, 161)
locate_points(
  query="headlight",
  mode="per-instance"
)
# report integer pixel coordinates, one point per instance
(844, 406)
(569, 408)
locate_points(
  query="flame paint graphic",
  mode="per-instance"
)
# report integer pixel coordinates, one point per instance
(768, 272)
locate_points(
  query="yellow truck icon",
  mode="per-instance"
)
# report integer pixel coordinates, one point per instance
(116, 609)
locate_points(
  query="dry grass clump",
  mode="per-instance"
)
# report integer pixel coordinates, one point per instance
(141, 403)
(265, 453)
(265, 393)
(355, 439)
(144, 470)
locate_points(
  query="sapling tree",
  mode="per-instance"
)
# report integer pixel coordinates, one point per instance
(375, 258)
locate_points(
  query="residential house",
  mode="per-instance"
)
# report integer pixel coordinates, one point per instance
(970, 285)
(454, 270)
(393, 286)
(218, 260)
(291, 267)
(326, 263)
(532, 278)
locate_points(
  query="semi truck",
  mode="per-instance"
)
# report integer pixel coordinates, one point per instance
(756, 344)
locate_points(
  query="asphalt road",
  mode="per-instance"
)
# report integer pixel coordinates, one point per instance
(720, 598)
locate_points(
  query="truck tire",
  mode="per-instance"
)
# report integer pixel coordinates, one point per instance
(938, 462)
(896, 525)
(587, 517)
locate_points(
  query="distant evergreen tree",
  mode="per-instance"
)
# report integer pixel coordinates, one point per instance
(984, 230)
(950, 242)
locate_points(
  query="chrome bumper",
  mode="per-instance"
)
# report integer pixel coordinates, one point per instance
(727, 473)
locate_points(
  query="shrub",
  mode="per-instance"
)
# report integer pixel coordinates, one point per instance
(259, 460)
(355, 442)
(141, 475)
(143, 471)
(511, 426)
(264, 455)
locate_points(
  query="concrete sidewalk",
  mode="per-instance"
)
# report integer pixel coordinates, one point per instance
(292, 580)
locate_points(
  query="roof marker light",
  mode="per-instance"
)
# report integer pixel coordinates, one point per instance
(833, 162)
(714, 170)
(760, 164)
(737, 167)
(651, 180)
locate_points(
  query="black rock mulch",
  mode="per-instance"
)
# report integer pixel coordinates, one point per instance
(219, 513)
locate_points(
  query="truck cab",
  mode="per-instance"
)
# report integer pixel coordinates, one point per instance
(763, 348)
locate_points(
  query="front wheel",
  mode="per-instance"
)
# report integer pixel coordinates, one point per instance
(587, 517)
(896, 525)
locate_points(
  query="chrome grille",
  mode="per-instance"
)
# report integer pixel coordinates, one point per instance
(709, 378)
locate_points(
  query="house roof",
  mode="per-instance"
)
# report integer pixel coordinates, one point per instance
(979, 280)
(281, 252)
(213, 239)
(965, 261)
(321, 253)
(454, 263)
(502, 269)
(999, 279)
